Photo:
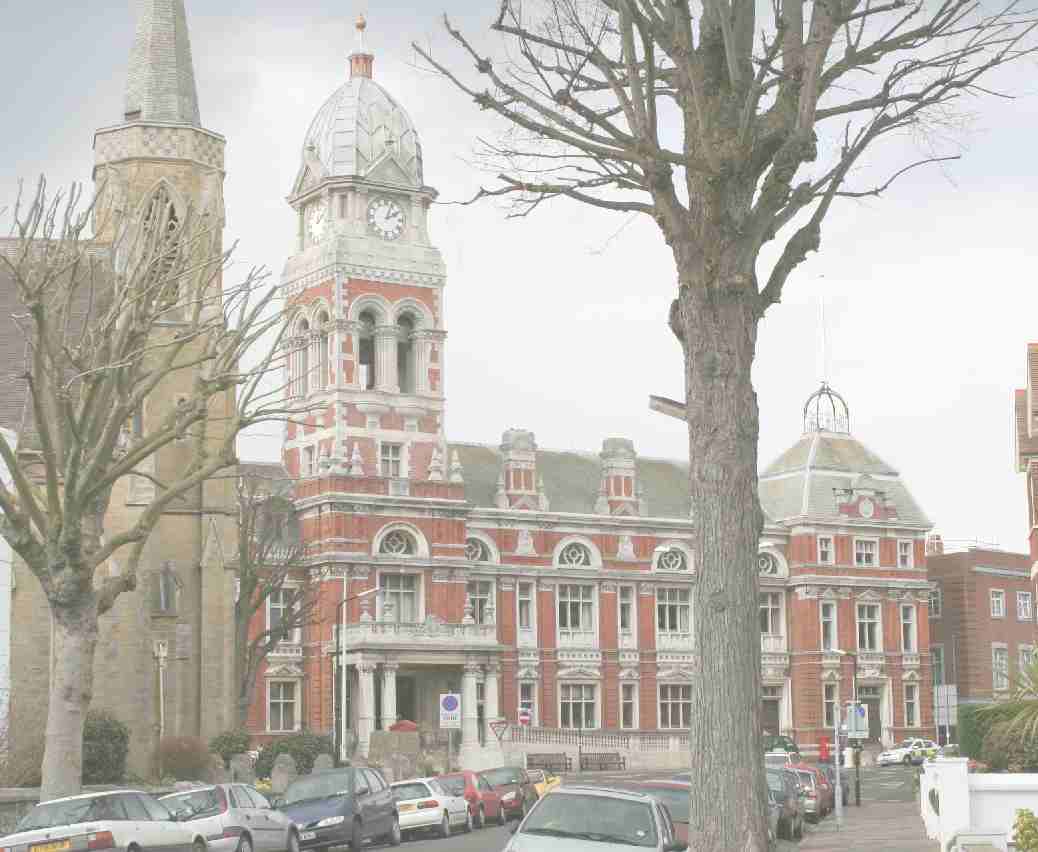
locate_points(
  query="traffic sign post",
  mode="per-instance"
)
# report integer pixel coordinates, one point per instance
(857, 732)
(450, 719)
(524, 717)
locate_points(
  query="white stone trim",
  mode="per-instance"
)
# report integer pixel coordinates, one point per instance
(421, 544)
(594, 552)
(491, 545)
(672, 544)
(371, 301)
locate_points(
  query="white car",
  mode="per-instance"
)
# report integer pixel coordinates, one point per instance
(423, 804)
(117, 820)
(907, 752)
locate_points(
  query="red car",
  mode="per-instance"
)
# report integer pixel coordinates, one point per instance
(484, 802)
(673, 795)
(821, 797)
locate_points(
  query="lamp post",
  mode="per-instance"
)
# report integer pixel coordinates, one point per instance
(339, 697)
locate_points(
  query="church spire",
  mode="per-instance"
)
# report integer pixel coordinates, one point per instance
(161, 83)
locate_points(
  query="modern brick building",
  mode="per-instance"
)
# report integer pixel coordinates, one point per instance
(553, 583)
(982, 624)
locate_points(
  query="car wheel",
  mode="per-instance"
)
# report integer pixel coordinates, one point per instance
(502, 818)
(394, 833)
(445, 825)
(293, 842)
(468, 820)
(799, 835)
(245, 843)
(355, 837)
(198, 845)
(481, 818)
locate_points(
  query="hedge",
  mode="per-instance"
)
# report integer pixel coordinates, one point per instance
(304, 747)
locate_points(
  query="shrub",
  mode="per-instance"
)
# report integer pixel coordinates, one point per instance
(1025, 831)
(106, 742)
(183, 758)
(1009, 748)
(304, 747)
(230, 743)
(21, 765)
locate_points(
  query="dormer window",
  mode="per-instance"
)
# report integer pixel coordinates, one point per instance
(825, 550)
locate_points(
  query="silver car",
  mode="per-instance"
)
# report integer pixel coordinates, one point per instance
(595, 819)
(234, 818)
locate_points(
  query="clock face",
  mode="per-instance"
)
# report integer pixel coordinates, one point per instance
(866, 507)
(385, 218)
(316, 222)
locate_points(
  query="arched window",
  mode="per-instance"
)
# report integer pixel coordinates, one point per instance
(159, 227)
(767, 565)
(672, 559)
(366, 349)
(167, 590)
(398, 543)
(303, 359)
(321, 377)
(575, 554)
(476, 550)
(405, 353)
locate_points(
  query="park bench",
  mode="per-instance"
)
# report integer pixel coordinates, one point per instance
(552, 762)
(595, 761)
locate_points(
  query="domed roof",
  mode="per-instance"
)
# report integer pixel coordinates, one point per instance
(361, 131)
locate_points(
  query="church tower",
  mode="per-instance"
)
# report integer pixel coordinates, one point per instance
(365, 295)
(164, 657)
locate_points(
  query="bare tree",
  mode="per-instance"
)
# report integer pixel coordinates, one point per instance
(731, 124)
(130, 345)
(271, 570)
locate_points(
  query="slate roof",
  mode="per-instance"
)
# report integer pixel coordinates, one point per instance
(803, 481)
(572, 479)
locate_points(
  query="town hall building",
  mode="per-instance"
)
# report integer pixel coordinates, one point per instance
(548, 588)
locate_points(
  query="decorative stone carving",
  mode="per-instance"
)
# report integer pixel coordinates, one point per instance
(500, 497)
(625, 549)
(468, 617)
(608, 587)
(524, 544)
(542, 498)
(441, 575)
(456, 470)
(806, 593)
(647, 589)
(356, 462)
(436, 465)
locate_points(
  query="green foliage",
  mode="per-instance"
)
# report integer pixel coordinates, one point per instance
(975, 720)
(183, 758)
(230, 743)
(20, 765)
(1025, 831)
(106, 742)
(304, 747)
(1009, 747)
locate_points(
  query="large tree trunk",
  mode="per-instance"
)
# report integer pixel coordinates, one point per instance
(719, 326)
(72, 683)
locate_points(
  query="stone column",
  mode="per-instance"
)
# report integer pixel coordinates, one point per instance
(365, 707)
(421, 361)
(386, 337)
(470, 754)
(389, 716)
(492, 713)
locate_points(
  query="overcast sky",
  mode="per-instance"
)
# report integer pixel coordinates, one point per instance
(557, 323)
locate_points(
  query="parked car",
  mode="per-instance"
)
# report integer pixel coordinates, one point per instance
(543, 782)
(342, 807)
(818, 792)
(601, 819)
(514, 787)
(907, 752)
(780, 742)
(484, 801)
(845, 781)
(117, 820)
(780, 758)
(424, 804)
(786, 787)
(673, 795)
(233, 817)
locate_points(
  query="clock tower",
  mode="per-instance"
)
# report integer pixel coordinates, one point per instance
(363, 294)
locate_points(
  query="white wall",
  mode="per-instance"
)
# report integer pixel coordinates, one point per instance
(5, 603)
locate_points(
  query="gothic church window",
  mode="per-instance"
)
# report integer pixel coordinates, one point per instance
(167, 586)
(366, 350)
(159, 227)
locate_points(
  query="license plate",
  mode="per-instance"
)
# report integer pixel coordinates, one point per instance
(406, 808)
(56, 846)
(307, 835)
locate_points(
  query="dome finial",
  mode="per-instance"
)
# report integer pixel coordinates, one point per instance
(827, 411)
(361, 60)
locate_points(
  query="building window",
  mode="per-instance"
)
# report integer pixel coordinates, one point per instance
(279, 607)
(999, 667)
(481, 594)
(998, 603)
(767, 565)
(625, 610)
(628, 705)
(675, 705)
(389, 460)
(770, 613)
(937, 664)
(825, 550)
(528, 699)
(904, 553)
(575, 555)
(829, 635)
(576, 610)
(398, 543)
(908, 635)
(911, 705)
(671, 559)
(1025, 655)
(399, 598)
(865, 553)
(476, 550)
(936, 601)
(366, 350)
(830, 704)
(868, 627)
(577, 705)
(673, 611)
(281, 712)
(525, 599)
(309, 461)
(1024, 611)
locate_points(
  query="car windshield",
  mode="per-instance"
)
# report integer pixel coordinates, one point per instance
(596, 818)
(905, 744)
(776, 759)
(676, 801)
(195, 803)
(453, 784)
(807, 779)
(506, 775)
(318, 787)
(775, 782)
(69, 812)
(410, 790)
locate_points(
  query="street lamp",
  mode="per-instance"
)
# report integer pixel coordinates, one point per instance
(838, 751)
(339, 708)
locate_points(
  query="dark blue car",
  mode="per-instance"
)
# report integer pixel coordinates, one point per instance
(342, 807)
